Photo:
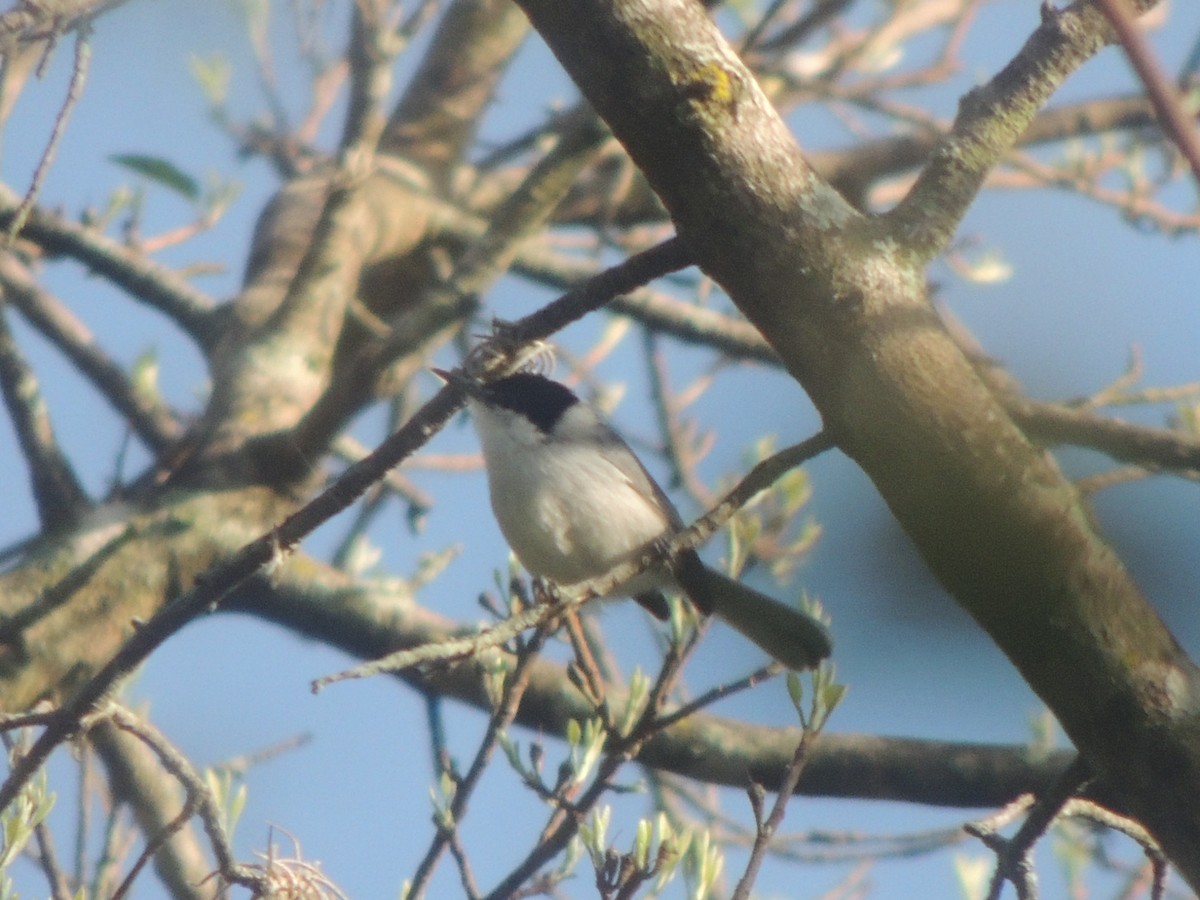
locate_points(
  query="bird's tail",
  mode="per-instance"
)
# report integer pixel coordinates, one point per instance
(788, 634)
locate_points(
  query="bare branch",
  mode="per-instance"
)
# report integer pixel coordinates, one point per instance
(515, 683)
(138, 779)
(853, 170)
(439, 112)
(373, 47)
(1013, 861)
(144, 279)
(59, 496)
(198, 793)
(991, 119)
(83, 57)
(146, 413)
(38, 21)
(1168, 104)
(447, 303)
(1155, 448)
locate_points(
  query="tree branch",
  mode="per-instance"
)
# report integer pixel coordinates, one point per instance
(59, 496)
(842, 300)
(853, 170)
(1175, 119)
(372, 622)
(436, 118)
(144, 279)
(149, 417)
(990, 120)
(137, 779)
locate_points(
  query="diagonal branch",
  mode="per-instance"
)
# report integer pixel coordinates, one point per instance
(445, 304)
(212, 586)
(1168, 105)
(371, 621)
(1048, 423)
(842, 299)
(853, 170)
(138, 779)
(437, 117)
(143, 278)
(372, 48)
(59, 496)
(83, 57)
(990, 120)
(146, 413)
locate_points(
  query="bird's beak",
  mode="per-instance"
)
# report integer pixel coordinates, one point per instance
(469, 385)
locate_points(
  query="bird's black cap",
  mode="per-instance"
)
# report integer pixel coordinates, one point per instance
(539, 399)
(536, 397)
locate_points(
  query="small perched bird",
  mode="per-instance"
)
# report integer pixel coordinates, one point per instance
(574, 501)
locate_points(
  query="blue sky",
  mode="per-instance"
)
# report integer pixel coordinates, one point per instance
(1085, 287)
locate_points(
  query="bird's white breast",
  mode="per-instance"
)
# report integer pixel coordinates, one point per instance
(567, 511)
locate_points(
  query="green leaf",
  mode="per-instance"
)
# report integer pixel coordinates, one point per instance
(593, 831)
(641, 844)
(144, 375)
(832, 696)
(796, 691)
(972, 873)
(511, 749)
(212, 74)
(160, 171)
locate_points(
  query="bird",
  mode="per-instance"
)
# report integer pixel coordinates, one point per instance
(574, 501)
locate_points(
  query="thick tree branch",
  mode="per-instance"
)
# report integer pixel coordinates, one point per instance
(372, 49)
(39, 21)
(371, 622)
(446, 304)
(1152, 448)
(436, 118)
(853, 170)
(842, 300)
(1049, 424)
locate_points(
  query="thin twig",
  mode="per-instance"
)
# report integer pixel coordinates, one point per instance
(501, 719)
(765, 473)
(1013, 862)
(466, 875)
(239, 765)
(10, 721)
(192, 310)
(720, 692)
(565, 820)
(766, 830)
(47, 859)
(586, 674)
(1174, 120)
(217, 582)
(198, 793)
(83, 58)
(154, 843)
